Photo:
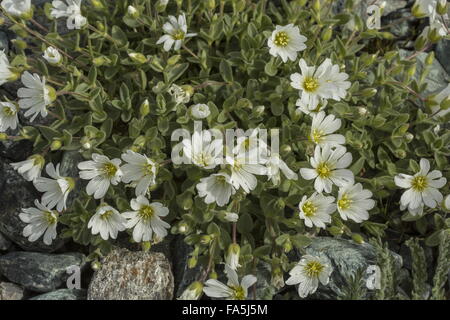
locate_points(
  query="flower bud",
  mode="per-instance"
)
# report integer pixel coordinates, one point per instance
(133, 12)
(429, 59)
(193, 292)
(232, 258)
(357, 238)
(192, 262)
(56, 145)
(409, 137)
(183, 228)
(446, 203)
(161, 5)
(97, 4)
(231, 217)
(138, 57)
(144, 109)
(205, 239)
(369, 92)
(213, 275)
(441, 7)
(146, 245)
(96, 265)
(327, 33)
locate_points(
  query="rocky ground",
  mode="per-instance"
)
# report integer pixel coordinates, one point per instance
(39, 272)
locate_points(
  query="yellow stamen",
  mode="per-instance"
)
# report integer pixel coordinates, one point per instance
(317, 135)
(313, 269)
(281, 39)
(310, 84)
(419, 183)
(344, 203)
(239, 293)
(146, 212)
(309, 209)
(50, 217)
(178, 35)
(110, 169)
(323, 170)
(106, 215)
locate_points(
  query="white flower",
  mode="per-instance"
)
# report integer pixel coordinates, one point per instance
(40, 221)
(216, 188)
(202, 150)
(232, 258)
(286, 41)
(5, 69)
(316, 210)
(329, 168)
(8, 116)
(307, 274)
(243, 167)
(274, 166)
(108, 222)
(193, 292)
(176, 32)
(200, 111)
(322, 129)
(56, 190)
(52, 55)
(422, 187)
(145, 219)
(102, 172)
(179, 94)
(325, 82)
(374, 279)
(446, 204)
(231, 217)
(31, 168)
(17, 8)
(425, 8)
(140, 170)
(36, 96)
(234, 290)
(416, 212)
(309, 109)
(354, 202)
(70, 9)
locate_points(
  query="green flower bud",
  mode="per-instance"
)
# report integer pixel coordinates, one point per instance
(357, 238)
(445, 104)
(287, 246)
(400, 153)
(409, 137)
(138, 57)
(335, 230)
(99, 61)
(144, 109)
(205, 239)
(213, 275)
(441, 7)
(96, 265)
(98, 4)
(327, 33)
(3, 136)
(369, 92)
(193, 292)
(192, 262)
(417, 12)
(146, 245)
(55, 145)
(183, 228)
(133, 12)
(161, 5)
(188, 89)
(20, 44)
(429, 59)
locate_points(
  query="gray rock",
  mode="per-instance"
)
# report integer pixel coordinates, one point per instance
(442, 51)
(4, 243)
(62, 294)
(346, 258)
(10, 291)
(39, 272)
(17, 193)
(437, 79)
(126, 275)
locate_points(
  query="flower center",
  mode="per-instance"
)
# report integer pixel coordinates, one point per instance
(313, 269)
(281, 39)
(50, 217)
(146, 212)
(110, 169)
(344, 203)
(309, 209)
(317, 135)
(239, 293)
(148, 169)
(221, 179)
(419, 183)
(310, 84)
(49, 94)
(178, 35)
(323, 170)
(106, 215)
(8, 111)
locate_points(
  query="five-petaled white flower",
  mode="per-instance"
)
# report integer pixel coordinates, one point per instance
(140, 170)
(326, 82)
(17, 8)
(102, 172)
(329, 168)
(176, 33)
(244, 166)
(8, 116)
(52, 55)
(31, 168)
(36, 96)
(146, 219)
(71, 9)
(233, 290)
(307, 274)
(40, 220)
(202, 150)
(200, 111)
(216, 188)
(308, 109)
(274, 165)
(107, 221)
(286, 42)
(5, 69)
(322, 129)
(422, 187)
(56, 190)
(316, 210)
(354, 202)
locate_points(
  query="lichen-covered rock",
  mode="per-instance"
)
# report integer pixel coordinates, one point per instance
(4, 243)
(126, 275)
(17, 193)
(346, 258)
(10, 291)
(62, 294)
(442, 54)
(39, 272)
